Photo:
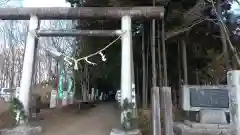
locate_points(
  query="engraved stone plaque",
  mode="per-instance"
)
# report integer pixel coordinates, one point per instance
(212, 98)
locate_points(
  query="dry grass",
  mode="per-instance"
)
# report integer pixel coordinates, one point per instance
(145, 119)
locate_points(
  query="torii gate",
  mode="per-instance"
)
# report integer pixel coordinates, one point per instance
(62, 13)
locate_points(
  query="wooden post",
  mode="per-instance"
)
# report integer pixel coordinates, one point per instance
(168, 118)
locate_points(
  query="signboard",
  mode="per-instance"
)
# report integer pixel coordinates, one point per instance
(53, 99)
(213, 98)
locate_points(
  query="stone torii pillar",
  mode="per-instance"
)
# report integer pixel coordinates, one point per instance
(28, 64)
(126, 65)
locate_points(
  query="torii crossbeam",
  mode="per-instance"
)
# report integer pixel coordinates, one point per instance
(65, 13)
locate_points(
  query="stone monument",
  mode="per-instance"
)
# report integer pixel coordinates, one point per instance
(211, 106)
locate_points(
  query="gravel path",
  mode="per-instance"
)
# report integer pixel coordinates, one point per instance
(96, 121)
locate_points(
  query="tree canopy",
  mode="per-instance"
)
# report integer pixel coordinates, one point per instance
(196, 22)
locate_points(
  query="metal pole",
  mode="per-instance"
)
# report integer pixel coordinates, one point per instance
(28, 64)
(184, 57)
(126, 70)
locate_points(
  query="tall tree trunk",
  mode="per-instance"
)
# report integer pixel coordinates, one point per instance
(85, 81)
(2, 71)
(39, 70)
(184, 57)
(223, 37)
(144, 105)
(49, 69)
(234, 65)
(159, 55)
(7, 71)
(137, 86)
(197, 77)
(179, 66)
(164, 55)
(10, 35)
(147, 71)
(153, 51)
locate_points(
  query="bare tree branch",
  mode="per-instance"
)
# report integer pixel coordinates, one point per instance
(191, 18)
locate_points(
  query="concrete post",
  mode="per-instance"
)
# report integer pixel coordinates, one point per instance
(168, 118)
(156, 114)
(28, 64)
(234, 100)
(126, 70)
(92, 94)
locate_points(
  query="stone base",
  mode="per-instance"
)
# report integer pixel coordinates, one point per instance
(201, 129)
(212, 117)
(22, 130)
(121, 132)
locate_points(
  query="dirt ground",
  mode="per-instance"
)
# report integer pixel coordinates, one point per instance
(95, 121)
(5, 118)
(98, 120)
